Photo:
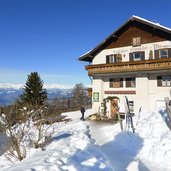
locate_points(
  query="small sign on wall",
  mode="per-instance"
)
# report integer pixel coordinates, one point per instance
(95, 97)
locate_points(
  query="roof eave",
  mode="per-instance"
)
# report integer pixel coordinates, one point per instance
(88, 57)
(85, 58)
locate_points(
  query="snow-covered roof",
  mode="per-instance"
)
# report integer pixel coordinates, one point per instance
(151, 22)
(112, 37)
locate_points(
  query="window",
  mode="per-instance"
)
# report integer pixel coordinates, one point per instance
(130, 82)
(136, 41)
(163, 53)
(116, 82)
(137, 56)
(164, 81)
(111, 58)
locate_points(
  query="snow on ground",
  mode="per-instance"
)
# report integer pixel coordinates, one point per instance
(96, 146)
(147, 149)
(71, 149)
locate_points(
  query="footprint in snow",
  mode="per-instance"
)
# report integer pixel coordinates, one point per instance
(54, 154)
(59, 162)
(50, 159)
(64, 160)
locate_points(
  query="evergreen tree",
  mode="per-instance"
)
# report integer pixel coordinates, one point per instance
(33, 92)
(79, 95)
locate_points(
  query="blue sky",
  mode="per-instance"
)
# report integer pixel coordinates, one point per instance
(48, 36)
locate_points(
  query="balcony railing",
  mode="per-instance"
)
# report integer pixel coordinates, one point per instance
(135, 66)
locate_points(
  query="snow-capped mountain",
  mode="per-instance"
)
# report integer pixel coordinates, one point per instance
(10, 92)
(47, 86)
(11, 86)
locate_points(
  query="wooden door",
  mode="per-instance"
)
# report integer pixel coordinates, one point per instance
(114, 108)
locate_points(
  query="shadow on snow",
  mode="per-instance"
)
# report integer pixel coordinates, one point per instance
(4, 142)
(89, 159)
(123, 150)
(165, 117)
(64, 135)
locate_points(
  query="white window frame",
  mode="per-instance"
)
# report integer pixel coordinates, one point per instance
(113, 58)
(165, 55)
(135, 58)
(166, 79)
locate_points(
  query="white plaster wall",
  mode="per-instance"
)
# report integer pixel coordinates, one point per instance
(98, 86)
(101, 57)
(141, 92)
(157, 94)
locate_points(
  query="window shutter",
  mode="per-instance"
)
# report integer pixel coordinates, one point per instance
(156, 54)
(115, 58)
(130, 56)
(142, 55)
(121, 82)
(134, 82)
(169, 52)
(116, 83)
(134, 42)
(119, 57)
(111, 82)
(138, 41)
(128, 82)
(159, 81)
(151, 54)
(107, 59)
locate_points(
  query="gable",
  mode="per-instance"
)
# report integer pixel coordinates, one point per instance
(135, 27)
(126, 38)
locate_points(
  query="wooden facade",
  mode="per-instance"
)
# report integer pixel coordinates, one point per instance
(125, 39)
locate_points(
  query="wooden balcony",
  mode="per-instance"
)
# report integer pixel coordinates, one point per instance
(134, 66)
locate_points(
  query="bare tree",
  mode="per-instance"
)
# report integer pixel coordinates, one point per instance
(15, 131)
(79, 95)
(43, 125)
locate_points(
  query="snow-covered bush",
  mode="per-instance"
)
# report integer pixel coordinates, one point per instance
(23, 134)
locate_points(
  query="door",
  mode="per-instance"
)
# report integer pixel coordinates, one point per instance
(114, 108)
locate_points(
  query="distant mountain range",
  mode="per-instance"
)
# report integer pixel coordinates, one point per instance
(9, 92)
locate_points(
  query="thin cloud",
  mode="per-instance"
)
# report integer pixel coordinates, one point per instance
(12, 76)
(20, 77)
